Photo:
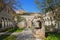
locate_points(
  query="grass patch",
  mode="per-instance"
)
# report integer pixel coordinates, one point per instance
(12, 29)
(11, 37)
(7, 37)
(15, 30)
(8, 30)
(19, 30)
(53, 36)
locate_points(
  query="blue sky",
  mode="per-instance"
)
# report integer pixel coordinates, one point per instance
(29, 6)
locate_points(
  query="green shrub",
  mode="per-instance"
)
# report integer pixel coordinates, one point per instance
(19, 30)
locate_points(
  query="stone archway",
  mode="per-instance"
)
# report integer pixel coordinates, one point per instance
(22, 23)
(39, 32)
(28, 20)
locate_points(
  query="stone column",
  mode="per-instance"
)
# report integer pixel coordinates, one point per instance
(27, 22)
(11, 24)
(7, 23)
(0, 23)
(59, 25)
(3, 24)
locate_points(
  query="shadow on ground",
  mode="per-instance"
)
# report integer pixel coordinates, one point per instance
(6, 36)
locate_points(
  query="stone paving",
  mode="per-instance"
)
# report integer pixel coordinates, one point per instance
(25, 35)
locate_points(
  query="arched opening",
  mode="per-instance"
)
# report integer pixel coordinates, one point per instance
(40, 24)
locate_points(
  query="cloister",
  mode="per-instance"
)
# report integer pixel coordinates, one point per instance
(6, 21)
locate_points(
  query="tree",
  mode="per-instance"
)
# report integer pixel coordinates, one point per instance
(40, 5)
(2, 5)
(11, 3)
(48, 5)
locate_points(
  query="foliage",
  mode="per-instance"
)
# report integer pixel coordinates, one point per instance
(7, 37)
(11, 3)
(15, 30)
(20, 18)
(40, 5)
(48, 5)
(53, 36)
(10, 37)
(57, 14)
(19, 30)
